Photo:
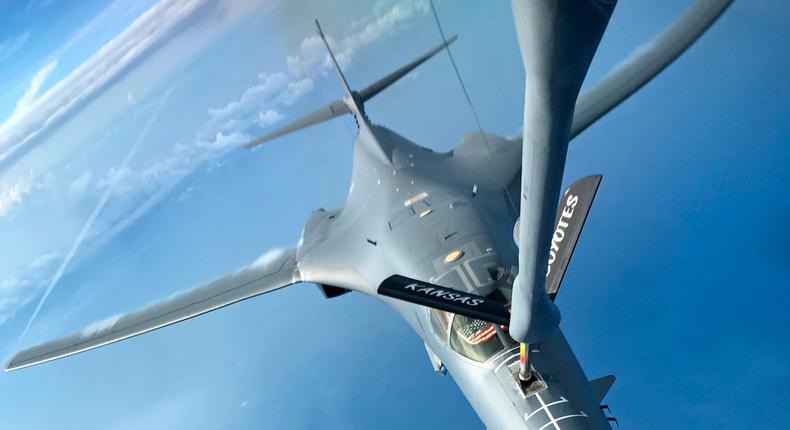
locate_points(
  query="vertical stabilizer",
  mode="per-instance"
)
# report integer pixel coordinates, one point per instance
(352, 102)
(601, 386)
(351, 98)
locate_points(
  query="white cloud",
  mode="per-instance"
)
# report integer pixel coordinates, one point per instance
(313, 58)
(253, 97)
(136, 191)
(311, 54)
(260, 104)
(25, 285)
(11, 195)
(160, 22)
(295, 90)
(87, 226)
(23, 103)
(82, 184)
(9, 47)
(184, 194)
(232, 125)
(385, 23)
(269, 117)
(225, 141)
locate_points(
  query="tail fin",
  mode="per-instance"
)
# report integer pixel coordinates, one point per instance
(353, 102)
(601, 386)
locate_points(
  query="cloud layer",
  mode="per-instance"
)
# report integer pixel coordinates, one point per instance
(260, 104)
(23, 105)
(26, 284)
(234, 124)
(11, 195)
(35, 114)
(11, 46)
(136, 190)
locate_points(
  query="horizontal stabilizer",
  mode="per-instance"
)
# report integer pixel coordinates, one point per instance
(601, 386)
(445, 299)
(339, 107)
(373, 89)
(322, 114)
(571, 215)
(270, 272)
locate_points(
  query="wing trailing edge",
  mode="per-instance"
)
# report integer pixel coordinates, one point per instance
(271, 272)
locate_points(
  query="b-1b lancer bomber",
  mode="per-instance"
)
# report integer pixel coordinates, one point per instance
(470, 246)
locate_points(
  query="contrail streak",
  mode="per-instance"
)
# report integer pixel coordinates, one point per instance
(99, 206)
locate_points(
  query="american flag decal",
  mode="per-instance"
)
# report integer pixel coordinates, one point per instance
(477, 331)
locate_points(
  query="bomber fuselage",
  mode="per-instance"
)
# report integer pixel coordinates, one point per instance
(446, 219)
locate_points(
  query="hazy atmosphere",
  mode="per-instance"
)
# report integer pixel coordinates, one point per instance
(123, 180)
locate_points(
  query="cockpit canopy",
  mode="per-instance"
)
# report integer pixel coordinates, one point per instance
(475, 339)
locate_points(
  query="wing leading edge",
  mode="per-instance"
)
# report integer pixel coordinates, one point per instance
(273, 271)
(639, 69)
(645, 63)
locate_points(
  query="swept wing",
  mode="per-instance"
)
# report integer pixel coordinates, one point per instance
(269, 273)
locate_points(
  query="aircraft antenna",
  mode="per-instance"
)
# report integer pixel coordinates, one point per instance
(471, 106)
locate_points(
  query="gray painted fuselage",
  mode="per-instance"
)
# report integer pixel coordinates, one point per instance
(406, 209)
(409, 209)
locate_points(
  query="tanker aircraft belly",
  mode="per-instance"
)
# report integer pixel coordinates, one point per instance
(468, 246)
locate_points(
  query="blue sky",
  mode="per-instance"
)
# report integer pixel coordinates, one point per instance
(678, 286)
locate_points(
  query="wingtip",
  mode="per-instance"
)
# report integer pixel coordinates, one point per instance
(256, 142)
(17, 361)
(10, 365)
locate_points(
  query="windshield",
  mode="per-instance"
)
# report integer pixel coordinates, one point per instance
(440, 322)
(477, 339)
